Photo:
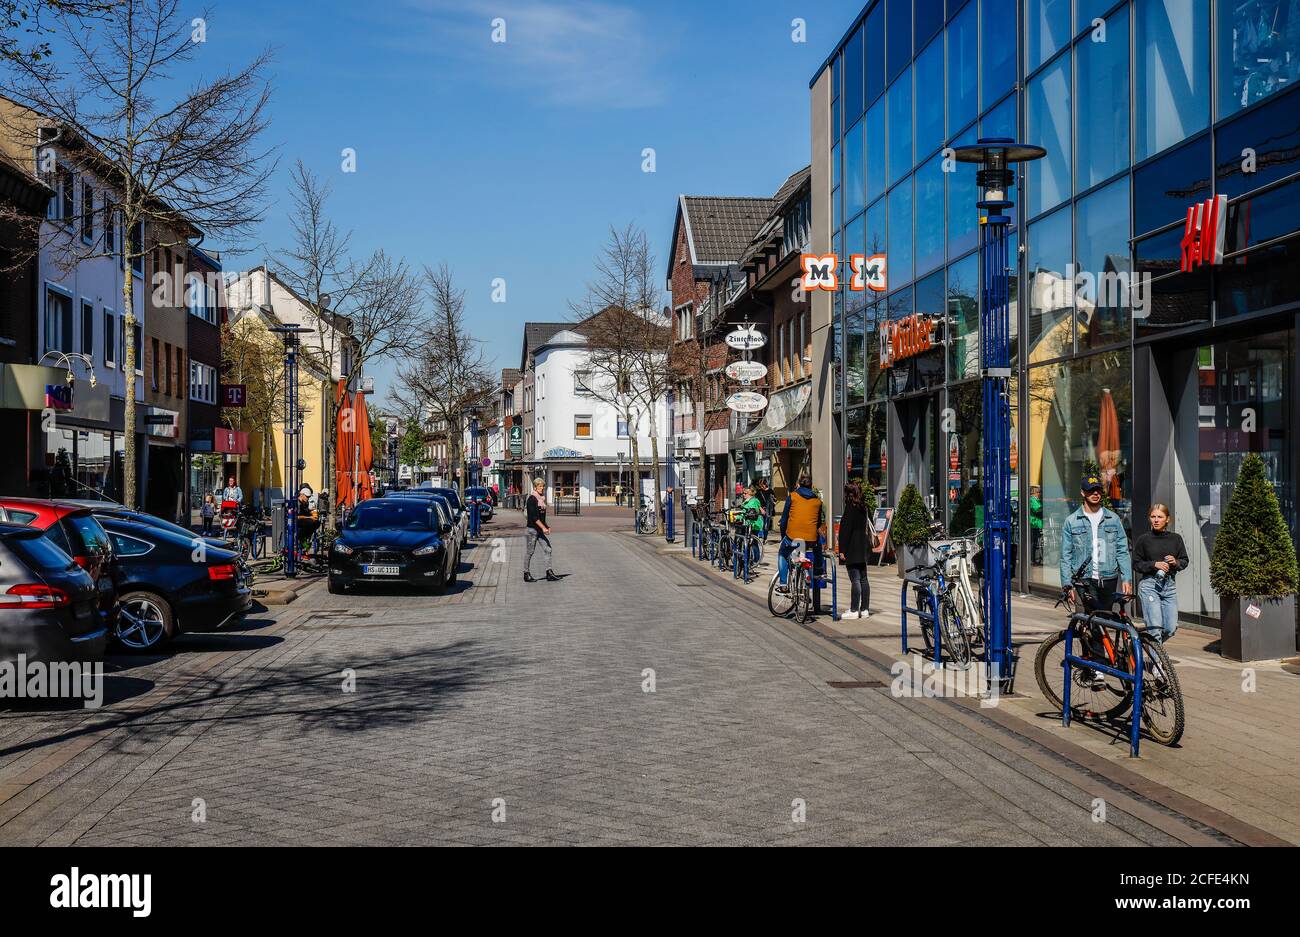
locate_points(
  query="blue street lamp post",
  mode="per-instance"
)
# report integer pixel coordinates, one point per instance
(996, 157)
(669, 533)
(292, 444)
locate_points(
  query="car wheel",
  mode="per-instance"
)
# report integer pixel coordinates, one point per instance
(144, 621)
(336, 587)
(455, 565)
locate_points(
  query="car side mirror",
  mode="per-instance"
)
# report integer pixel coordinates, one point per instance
(446, 528)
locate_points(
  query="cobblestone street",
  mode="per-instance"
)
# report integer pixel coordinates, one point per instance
(508, 712)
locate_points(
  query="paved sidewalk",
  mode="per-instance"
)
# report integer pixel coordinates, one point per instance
(1239, 752)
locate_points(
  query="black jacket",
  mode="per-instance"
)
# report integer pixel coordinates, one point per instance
(1152, 547)
(535, 512)
(855, 540)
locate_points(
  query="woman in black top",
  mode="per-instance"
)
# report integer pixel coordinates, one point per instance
(856, 537)
(537, 532)
(1158, 556)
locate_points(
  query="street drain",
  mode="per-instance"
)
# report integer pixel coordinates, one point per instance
(854, 684)
(692, 585)
(339, 614)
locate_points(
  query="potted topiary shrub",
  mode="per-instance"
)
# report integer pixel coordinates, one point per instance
(1253, 570)
(910, 530)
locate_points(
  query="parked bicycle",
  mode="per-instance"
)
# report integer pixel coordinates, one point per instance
(955, 638)
(958, 571)
(746, 543)
(646, 520)
(1098, 695)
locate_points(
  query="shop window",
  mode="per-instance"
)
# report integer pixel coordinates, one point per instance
(1173, 73)
(854, 358)
(1047, 28)
(963, 327)
(1079, 419)
(899, 100)
(873, 64)
(1259, 280)
(1164, 189)
(898, 36)
(874, 159)
(871, 349)
(1103, 266)
(1050, 298)
(963, 74)
(854, 171)
(1102, 115)
(929, 215)
(999, 45)
(1259, 51)
(852, 75)
(1159, 254)
(900, 232)
(1266, 142)
(929, 119)
(1047, 124)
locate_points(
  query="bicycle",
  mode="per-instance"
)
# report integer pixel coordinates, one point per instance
(248, 533)
(747, 545)
(797, 596)
(646, 520)
(956, 558)
(1094, 693)
(954, 633)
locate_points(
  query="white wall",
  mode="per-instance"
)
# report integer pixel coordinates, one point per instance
(249, 289)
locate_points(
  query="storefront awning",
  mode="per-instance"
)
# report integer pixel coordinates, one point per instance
(788, 416)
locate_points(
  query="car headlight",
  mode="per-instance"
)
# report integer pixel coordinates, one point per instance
(427, 550)
(341, 547)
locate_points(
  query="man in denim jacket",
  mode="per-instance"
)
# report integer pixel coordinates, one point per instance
(1095, 536)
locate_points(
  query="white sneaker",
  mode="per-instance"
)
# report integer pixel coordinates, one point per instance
(864, 614)
(849, 615)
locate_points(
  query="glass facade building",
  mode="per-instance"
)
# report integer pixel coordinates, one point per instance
(1159, 378)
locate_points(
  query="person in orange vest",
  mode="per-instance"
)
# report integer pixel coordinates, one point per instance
(804, 518)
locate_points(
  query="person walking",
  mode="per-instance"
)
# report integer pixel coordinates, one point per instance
(1035, 525)
(803, 518)
(208, 511)
(1093, 539)
(537, 532)
(618, 495)
(1158, 556)
(769, 506)
(857, 537)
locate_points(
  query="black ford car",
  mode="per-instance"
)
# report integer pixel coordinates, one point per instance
(410, 541)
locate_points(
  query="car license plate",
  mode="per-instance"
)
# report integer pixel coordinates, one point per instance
(381, 570)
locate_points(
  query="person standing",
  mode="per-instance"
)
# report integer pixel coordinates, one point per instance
(1035, 525)
(1093, 539)
(857, 538)
(802, 519)
(208, 511)
(232, 491)
(618, 495)
(1158, 556)
(769, 506)
(537, 533)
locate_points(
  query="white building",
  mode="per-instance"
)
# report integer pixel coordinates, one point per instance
(582, 440)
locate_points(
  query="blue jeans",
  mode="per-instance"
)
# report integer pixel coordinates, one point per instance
(1160, 604)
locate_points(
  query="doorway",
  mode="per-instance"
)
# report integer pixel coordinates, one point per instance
(915, 450)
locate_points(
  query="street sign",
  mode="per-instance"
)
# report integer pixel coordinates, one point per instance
(746, 371)
(516, 440)
(746, 401)
(487, 463)
(746, 339)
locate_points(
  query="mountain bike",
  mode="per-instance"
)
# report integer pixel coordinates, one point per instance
(1095, 694)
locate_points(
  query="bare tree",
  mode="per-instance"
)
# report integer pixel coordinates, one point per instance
(31, 18)
(182, 157)
(447, 370)
(628, 340)
(248, 358)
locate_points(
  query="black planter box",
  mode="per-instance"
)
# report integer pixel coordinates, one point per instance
(1270, 636)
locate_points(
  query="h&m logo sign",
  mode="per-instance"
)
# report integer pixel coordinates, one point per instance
(821, 272)
(1203, 233)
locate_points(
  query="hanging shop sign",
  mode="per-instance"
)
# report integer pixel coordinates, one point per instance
(516, 441)
(746, 401)
(746, 339)
(746, 371)
(58, 396)
(868, 273)
(1203, 233)
(906, 338)
(234, 395)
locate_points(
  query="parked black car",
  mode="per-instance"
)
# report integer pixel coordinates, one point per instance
(48, 604)
(396, 540)
(450, 498)
(483, 498)
(170, 582)
(108, 509)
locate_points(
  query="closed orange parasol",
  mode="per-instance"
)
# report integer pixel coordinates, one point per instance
(354, 454)
(1108, 446)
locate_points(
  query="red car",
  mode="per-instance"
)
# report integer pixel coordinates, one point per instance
(73, 528)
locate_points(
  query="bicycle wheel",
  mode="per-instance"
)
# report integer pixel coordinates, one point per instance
(755, 551)
(1092, 694)
(779, 604)
(970, 619)
(1162, 696)
(801, 591)
(954, 635)
(921, 603)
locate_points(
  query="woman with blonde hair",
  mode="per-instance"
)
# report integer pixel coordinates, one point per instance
(1158, 556)
(538, 533)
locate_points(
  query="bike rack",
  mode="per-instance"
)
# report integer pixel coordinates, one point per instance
(932, 617)
(1135, 730)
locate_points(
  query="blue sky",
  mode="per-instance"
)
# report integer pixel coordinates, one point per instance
(513, 159)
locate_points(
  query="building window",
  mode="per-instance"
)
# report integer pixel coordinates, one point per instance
(899, 99)
(900, 233)
(58, 320)
(1258, 54)
(137, 340)
(998, 45)
(153, 364)
(1047, 23)
(963, 74)
(110, 226)
(582, 426)
(622, 429)
(110, 339)
(1102, 114)
(1051, 299)
(929, 120)
(582, 383)
(898, 35)
(87, 213)
(1102, 252)
(136, 248)
(203, 383)
(88, 329)
(1173, 71)
(1047, 124)
(67, 196)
